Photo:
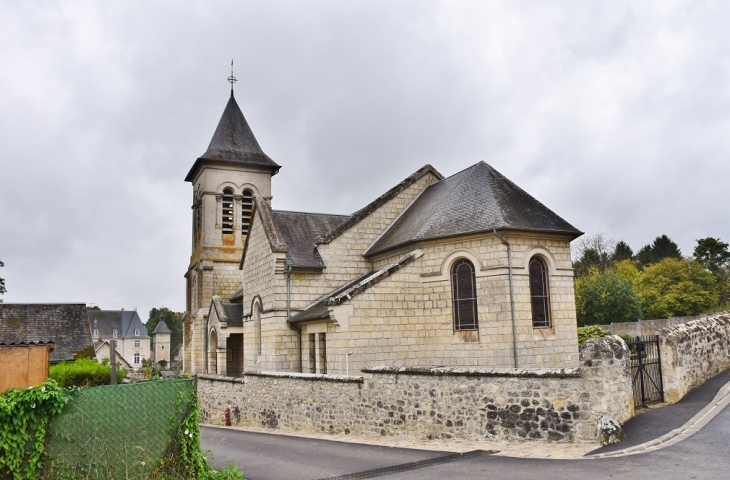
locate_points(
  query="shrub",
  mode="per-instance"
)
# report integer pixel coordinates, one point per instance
(586, 333)
(85, 372)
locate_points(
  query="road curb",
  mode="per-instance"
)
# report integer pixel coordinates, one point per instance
(692, 426)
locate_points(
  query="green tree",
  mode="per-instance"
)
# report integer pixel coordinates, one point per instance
(662, 247)
(2, 281)
(676, 287)
(712, 253)
(605, 297)
(622, 252)
(172, 319)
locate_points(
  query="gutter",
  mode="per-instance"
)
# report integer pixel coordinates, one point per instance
(511, 295)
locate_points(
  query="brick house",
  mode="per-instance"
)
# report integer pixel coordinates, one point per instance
(468, 270)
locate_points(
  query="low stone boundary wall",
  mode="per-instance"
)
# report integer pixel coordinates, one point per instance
(693, 352)
(551, 405)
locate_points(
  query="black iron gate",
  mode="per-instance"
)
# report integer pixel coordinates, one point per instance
(646, 371)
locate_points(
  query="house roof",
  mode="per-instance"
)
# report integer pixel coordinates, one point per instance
(300, 232)
(228, 313)
(320, 308)
(124, 321)
(358, 216)
(233, 143)
(478, 199)
(66, 325)
(161, 328)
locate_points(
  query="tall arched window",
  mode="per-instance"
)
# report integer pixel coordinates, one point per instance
(227, 215)
(464, 294)
(539, 293)
(246, 211)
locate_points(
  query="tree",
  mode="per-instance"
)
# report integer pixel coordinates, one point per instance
(2, 281)
(606, 297)
(174, 320)
(622, 252)
(676, 287)
(712, 253)
(662, 247)
(592, 251)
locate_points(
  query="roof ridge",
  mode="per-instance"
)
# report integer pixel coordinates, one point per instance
(311, 213)
(364, 212)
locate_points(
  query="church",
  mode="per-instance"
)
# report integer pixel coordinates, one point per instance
(463, 271)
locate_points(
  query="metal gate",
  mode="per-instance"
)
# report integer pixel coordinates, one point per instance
(646, 371)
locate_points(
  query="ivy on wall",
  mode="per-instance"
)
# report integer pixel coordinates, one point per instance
(24, 415)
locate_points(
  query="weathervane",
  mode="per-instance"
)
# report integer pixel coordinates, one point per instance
(232, 79)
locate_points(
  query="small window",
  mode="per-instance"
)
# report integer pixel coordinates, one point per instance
(227, 218)
(464, 294)
(114, 333)
(539, 293)
(136, 332)
(246, 211)
(96, 333)
(136, 358)
(136, 344)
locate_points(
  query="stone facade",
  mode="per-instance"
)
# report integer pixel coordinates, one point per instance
(404, 319)
(213, 268)
(541, 405)
(693, 352)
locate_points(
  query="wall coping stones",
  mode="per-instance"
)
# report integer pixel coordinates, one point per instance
(477, 371)
(293, 375)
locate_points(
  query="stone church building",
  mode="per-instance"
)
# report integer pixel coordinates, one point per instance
(468, 270)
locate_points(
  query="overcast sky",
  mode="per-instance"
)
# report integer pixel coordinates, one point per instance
(616, 115)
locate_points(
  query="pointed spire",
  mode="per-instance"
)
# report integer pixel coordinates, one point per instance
(233, 141)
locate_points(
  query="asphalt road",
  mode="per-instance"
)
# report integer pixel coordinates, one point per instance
(704, 455)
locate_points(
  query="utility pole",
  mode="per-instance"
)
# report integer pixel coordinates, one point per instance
(113, 362)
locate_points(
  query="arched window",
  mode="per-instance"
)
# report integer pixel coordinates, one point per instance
(464, 294)
(227, 216)
(246, 211)
(539, 293)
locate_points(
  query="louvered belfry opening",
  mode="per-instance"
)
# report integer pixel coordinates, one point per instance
(246, 211)
(227, 216)
(463, 284)
(539, 293)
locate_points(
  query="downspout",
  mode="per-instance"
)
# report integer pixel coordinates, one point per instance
(511, 294)
(288, 318)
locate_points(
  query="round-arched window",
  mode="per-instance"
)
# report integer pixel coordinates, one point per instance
(464, 295)
(539, 293)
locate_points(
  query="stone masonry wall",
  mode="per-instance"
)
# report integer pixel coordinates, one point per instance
(693, 352)
(544, 405)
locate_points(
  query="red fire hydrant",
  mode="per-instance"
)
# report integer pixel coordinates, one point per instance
(227, 413)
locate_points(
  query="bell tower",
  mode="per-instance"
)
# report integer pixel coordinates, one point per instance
(225, 178)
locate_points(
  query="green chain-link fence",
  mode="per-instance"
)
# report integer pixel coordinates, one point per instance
(121, 431)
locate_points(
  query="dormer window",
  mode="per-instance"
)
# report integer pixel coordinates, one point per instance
(136, 332)
(227, 215)
(114, 333)
(96, 333)
(246, 211)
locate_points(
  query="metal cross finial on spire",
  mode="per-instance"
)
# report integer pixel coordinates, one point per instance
(232, 79)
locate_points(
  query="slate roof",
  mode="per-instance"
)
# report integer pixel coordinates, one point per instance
(356, 217)
(233, 142)
(300, 231)
(228, 313)
(320, 308)
(478, 199)
(66, 325)
(161, 328)
(125, 321)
